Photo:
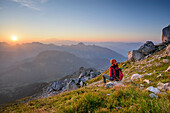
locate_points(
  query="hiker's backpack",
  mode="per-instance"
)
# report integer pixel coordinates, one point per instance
(118, 75)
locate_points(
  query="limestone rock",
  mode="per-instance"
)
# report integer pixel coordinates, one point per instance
(135, 76)
(163, 87)
(147, 81)
(159, 75)
(168, 69)
(165, 61)
(135, 55)
(109, 85)
(81, 84)
(152, 95)
(147, 48)
(148, 74)
(154, 90)
(166, 34)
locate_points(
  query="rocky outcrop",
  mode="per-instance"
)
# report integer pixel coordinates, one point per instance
(144, 50)
(147, 48)
(135, 55)
(166, 34)
(72, 82)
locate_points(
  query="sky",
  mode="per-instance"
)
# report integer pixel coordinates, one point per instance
(84, 20)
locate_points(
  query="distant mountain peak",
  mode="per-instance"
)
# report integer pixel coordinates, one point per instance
(81, 43)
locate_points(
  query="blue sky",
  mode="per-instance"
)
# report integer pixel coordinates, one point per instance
(84, 20)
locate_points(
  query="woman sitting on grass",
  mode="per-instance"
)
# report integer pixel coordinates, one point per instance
(114, 71)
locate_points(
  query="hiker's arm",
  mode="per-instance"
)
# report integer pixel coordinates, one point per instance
(110, 71)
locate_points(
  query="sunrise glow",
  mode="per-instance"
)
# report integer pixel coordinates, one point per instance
(14, 38)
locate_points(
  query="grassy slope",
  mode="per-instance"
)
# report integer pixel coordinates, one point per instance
(95, 99)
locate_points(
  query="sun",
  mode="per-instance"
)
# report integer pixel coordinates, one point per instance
(14, 38)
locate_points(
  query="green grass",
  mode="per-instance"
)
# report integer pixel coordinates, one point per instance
(95, 99)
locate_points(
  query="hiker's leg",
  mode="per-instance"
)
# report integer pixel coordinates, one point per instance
(104, 78)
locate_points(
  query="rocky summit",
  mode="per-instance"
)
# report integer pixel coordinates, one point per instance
(166, 34)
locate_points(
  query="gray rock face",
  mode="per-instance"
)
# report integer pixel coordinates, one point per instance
(168, 50)
(166, 34)
(71, 83)
(134, 55)
(147, 48)
(57, 85)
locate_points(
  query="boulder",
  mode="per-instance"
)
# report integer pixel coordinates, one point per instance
(109, 85)
(148, 74)
(163, 87)
(147, 81)
(152, 95)
(56, 86)
(166, 34)
(76, 80)
(135, 55)
(147, 48)
(165, 61)
(154, 90)
(81, 84)
(135, 76)
(168, 69)
(159, 75)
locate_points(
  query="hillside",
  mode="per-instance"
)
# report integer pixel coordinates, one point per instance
(46, 66)
(132, 96)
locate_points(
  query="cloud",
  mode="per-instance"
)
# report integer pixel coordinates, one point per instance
(32, 4)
